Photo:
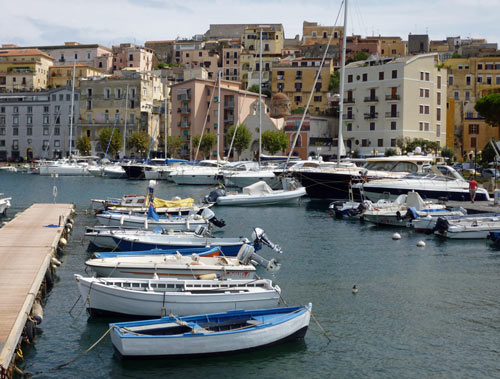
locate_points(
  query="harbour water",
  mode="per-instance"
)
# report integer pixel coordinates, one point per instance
(420, 312)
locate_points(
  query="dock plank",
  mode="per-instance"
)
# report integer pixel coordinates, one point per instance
(26, 245)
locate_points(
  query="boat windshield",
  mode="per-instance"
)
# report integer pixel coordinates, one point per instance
(393, 166)
(429, 176)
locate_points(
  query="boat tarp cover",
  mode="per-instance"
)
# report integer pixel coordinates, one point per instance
(257, 189)
(414, 200)
(160, 203)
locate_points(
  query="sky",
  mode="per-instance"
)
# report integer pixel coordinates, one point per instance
(111, 22)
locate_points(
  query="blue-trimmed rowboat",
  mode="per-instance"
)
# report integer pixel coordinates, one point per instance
(202, 252)
(209, 334)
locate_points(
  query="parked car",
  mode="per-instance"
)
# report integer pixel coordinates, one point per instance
(490, 173)
(469, 172)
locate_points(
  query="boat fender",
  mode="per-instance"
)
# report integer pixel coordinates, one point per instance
(292, 185)
(70, 221)
(37, 312)
(55, 261)
(421, 244)
(145, 223)
(63, 242)
(30, 330)
(195, 257)
(49, 279)
(207, 277)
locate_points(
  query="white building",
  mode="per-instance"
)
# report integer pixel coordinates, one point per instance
(390, 99)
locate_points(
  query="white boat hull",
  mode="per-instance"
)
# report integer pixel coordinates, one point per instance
(175, 224)
(69, 170)
(277, 197)
(187, 300)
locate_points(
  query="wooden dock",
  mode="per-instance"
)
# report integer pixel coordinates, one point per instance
(26, 248)
(475, 207)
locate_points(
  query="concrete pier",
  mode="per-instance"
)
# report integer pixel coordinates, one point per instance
(27, 244)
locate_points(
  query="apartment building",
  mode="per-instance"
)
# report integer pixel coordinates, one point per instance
(469, 79)
(37, 124)
(390, 46)
(231, 66)
(60, 76)
(93, 55)
(390, 99)
(195, 103)
(24, 70)
(103, 105)
(130, 55)
(183, 45)
(314, 33)
(356, 43)
(201, 58)
(295, 79)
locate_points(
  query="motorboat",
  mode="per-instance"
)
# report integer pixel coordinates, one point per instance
(206, 172)
(9, 169)
(162, 170)
(247, 173)
(327, 182)
(470, 227)
(134, 240)
(64, 167)
(140, 204)
(114, 171)
(202, 252)
(442, 182)
(258, 194)
(4, 204)
(161, 297)
(209, 334)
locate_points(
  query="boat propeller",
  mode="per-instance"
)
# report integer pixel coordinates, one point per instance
(259, 236)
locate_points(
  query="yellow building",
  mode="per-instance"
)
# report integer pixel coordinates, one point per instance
(24, 70)
(391, 46)
(295, 79)
(60, 76)
(469, 79)
(313, 33)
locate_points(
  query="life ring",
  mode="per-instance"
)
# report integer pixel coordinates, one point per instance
(292, 186)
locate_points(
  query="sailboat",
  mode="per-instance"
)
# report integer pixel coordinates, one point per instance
(67, 167)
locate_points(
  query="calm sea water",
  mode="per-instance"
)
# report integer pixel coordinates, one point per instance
(420, 312)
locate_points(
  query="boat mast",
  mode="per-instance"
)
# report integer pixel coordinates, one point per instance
(218, 117)
(340, 142)
(125, 125)
(166, 117)
(71, 112)
(260, 95)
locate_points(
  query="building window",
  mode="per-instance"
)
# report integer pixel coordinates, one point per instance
(438, 130)
(427, 92)
(479, 79)
(394, 74)
(107, 93)
(467, 95)
(349, 127)
(365, 77)
(15, 131)
(45, 131)
(393, 125)
(45, 119)
(30, 109)
(118, 93)
(438, 114)
(298, 99)
(438, 98)
(468, 80)
(380, 142)
(15, 120)
(298, 87)
(2, 131)
(372, 126)
(45, 109)
(29, 120)
(450, 80)
(57, 131)
(364, 142)
(439, 82)
(89, 93)
(473, 142)
(15, 109)
(381, 75)
(349, 78)
(89, 104)
(456, 95)
(317, 99)
(427, 76)
(393, 142)
(473, 128)
(421, 75)
(57, 143)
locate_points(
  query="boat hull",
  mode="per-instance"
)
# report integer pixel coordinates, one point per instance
(375, 194)
(139, 222)
(278, 197)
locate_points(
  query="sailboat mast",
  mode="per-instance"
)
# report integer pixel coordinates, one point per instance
(125, 124)
(340, 141)
(218, 116)
(166, 117)
(71, 111)
(260, 96)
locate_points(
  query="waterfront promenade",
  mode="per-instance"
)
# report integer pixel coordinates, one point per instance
(27, 244)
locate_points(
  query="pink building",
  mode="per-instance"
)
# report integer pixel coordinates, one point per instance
(130, 55)
(190, 109)
(355, 43)
(201, 58)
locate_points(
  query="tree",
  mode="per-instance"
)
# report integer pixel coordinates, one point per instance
(299, 110)
(138, 141)
(359, 56)
(456, 55)
(489, 107)
(116, 141)
(254, 88)
(487, 155)
(274, 141)
(447, 152)
(207, 143)
(334, 85)
(83, 145)
(174, 143)
(390, 152)
(423, 144)
(242, 138)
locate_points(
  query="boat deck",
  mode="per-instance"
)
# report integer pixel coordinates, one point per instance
(26, 245)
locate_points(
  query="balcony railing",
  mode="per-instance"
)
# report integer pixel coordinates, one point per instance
(229, 118)
(392, 97)
(348, 116)
(184, 110)
(184, 124)
(391, 114)
(371, 99)
(349, 101)
(184, 97)
(371, 115)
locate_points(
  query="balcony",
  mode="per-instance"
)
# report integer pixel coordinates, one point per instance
(371, 115)
(348, 116)
(229, 118)
(184, 97)
(228, 104)
(183, 124)
(392, 97)
(349, 101)
(280, 77)
(391, 114)
(473, 117)
(184, 110)
(371, 99)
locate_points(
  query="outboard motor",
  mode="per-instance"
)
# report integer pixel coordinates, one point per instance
(441, 225)
(247, 254)
(411, 213)
(212, 197)
(209, 215)
(259, 236)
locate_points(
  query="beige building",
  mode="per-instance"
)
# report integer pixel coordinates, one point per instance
(314, 33)
(201, 58)
(295, 78)
(60, 76)
(103, 105)
(24, 70)
(230, 60)
(390, 99)
(469, 79)
(391, 46)
(130, 55)
(93, 55)
(191, 109)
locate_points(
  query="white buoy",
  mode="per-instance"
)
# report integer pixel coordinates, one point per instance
(63, 242)
(396, 236)
(420, 243)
